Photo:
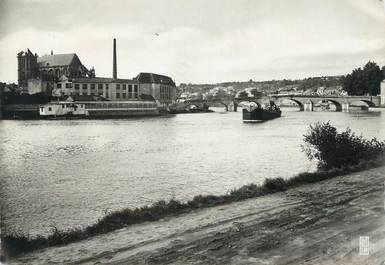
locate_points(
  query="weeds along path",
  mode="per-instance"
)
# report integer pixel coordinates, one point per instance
(313, 224)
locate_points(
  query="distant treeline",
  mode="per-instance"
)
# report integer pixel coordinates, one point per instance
(268, 86)
(360, 81)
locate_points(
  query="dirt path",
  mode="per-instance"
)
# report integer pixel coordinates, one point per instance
(313, 224)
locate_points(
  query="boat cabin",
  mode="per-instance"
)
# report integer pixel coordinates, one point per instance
(62, 109)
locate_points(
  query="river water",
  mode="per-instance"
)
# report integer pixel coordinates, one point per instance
(68, 173)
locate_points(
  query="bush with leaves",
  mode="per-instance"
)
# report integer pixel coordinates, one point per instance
(337, 150)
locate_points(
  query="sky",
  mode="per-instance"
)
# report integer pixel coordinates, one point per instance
(198, 41)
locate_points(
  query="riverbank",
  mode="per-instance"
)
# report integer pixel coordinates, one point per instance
(16, 243)
(317, 223)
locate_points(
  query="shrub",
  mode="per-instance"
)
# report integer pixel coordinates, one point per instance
(275, 184)
(337, 150)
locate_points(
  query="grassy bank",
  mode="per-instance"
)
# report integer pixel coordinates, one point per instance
(17, 243)
(337, 153)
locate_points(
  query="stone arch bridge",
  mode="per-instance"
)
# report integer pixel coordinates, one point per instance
(307, 103)
(202, 104)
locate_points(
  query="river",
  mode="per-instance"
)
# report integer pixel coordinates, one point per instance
(68, 173)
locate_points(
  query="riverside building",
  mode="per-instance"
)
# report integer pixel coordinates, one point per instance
(99, 87)
(65, 75)
(160, 87)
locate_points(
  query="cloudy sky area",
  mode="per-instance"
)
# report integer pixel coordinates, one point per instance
(199, 41)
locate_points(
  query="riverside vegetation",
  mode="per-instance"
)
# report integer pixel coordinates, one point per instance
(337, 154)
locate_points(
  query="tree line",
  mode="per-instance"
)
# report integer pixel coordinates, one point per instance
(364, 81)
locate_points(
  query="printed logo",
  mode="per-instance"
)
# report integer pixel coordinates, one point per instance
(364, 246)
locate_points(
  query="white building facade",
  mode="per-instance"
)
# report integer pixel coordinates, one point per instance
(108, 88)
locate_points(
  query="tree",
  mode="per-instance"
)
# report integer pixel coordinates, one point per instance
(256, 93)
(374, 76)
(354, 83)
(383, 72)
(243, 94)
(364, 81)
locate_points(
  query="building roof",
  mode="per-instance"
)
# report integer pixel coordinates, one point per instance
(102, 80)
(150, 78)
(56, 59)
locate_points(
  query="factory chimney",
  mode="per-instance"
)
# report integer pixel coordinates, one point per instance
(114, 73)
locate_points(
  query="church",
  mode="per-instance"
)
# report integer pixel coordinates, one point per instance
(39, 74)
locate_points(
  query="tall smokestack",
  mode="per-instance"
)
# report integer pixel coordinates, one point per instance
(114, 73)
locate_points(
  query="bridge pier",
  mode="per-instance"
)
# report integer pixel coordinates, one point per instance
(345, 106)
(232, 107)
(307, 106)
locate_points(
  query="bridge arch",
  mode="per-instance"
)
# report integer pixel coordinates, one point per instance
(369, 103)
(204, 104)
(241, 102)
(336, 103)
(191, 104)
(210, 103)
(220, 102)
(300, 104)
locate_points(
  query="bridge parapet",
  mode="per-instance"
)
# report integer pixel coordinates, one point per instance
(341, 102)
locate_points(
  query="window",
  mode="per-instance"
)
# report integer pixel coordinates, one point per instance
(124, 86)
(84, 86)
(135, 91)
(100, 86)
(49, 108)
(92, 86)
(123, 95)
(77, 86)
(107, 86)
(68, 85)
(117, 95)
(41, 109)
(130, 91)
(58, 85)
(62, 106)
(117, 86)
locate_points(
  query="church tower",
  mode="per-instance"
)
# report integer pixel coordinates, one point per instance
(27, 67)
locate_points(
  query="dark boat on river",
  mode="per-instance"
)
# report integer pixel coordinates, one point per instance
(259, 113)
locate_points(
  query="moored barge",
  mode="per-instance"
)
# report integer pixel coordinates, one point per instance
(259, 113)
(98, 109)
